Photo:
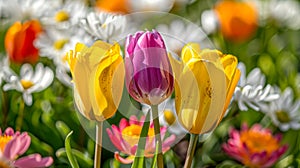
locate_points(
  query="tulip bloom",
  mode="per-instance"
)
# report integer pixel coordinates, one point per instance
(205, 82)
(98, 77)
(255, 146)
(113, 6)
(19, 42)
(237, 19)
(149, 76)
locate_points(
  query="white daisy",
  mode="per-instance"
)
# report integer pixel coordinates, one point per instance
(179, 33)
(66, 15)
(168, 117)
(209, 21)
(30, 9)
(251, 90)
(105, 26)
(30, 81)
(284, 12)
(5, 71)
(54, 44)
(151, 5)
(284, 112)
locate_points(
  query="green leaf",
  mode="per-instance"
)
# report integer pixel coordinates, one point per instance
(71, 158)
(62, 128)
(155, 156)
(139, 159)
(82, 158)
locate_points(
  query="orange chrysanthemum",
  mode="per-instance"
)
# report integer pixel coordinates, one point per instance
(255, 147)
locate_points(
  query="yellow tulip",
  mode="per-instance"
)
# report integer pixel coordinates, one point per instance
(98, 77)
(204, 84)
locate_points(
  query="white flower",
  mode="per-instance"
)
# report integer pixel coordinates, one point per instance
(5, 71)
(151, 5)
(105, 26)
(179, 33)
(251, 91)
(209, 21)
(29, 9)
(286, 12)
(66, 15)
(284, 112)
(30, 81)
(168, 117)
(54, 44)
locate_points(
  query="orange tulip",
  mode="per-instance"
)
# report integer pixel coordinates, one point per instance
(238, 19)
(115, 6)
(19, 41)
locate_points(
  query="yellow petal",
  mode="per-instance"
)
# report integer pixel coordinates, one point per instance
(230, 64)
(72, 56)
(107, 84)
(189, 51)
(81, 75)
(202, 96)
(230, 90)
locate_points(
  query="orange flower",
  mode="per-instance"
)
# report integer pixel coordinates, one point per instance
(254, 147)
(19, 41)
(238, 19)
(116, 6)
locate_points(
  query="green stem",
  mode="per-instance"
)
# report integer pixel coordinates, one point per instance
(160, 160)
(98, 145)
(4, 107)
(19, 120)
(191, 150)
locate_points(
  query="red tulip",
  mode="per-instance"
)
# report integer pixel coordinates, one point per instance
(19, 41)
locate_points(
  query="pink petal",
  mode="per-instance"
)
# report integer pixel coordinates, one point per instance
(244, 127)
(114, 140)
(142, 120)
(169, 141)
(9, 131)
(234, 134)
(133, 120)
(33, 161)
(123, 124)
(17, 146)
(26, 140)
(133, 149)
(127, 160)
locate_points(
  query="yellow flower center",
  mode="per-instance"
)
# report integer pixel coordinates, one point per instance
(283, 117)
(131, 134)
(103, 25)
(26, 84)
(4, 164)
(259, 142)
(169, 117)
(62, 16)
(59, 44)
(4, 139)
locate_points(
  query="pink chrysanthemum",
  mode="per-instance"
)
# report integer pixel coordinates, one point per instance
(255, 147)
(125, 138)
(14, 144)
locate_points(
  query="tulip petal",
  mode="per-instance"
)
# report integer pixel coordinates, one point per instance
(106, 83)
